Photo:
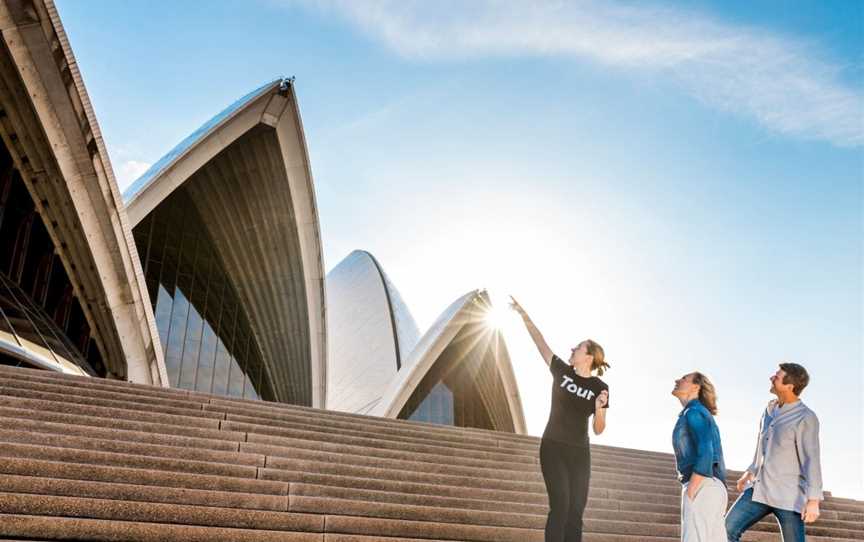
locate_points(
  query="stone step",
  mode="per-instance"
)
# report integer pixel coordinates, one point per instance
(106, 466)
(73, 402)
(232, 457)
(654, 496)
(301, 501)
(194, 408)
(77, 426)
(527, 443)
(238, 435)
(327, 466)
(39, 528)
(91, 457)
(39, 485)
(250, 448)
(26, 527)
(666, 466)
(100, 473)
(73, 448)
(76, 381)
(123, 510)
(598, 507)
(81, 392)
(281, 411)
(86, 459)
(275, 445)
(117, 419)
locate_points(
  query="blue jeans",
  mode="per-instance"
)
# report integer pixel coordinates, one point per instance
(745, 513)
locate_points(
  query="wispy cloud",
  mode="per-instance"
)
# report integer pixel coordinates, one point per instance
(127, 162)
(128, 171)
(784, 84)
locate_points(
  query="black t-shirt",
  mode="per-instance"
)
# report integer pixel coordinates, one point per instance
(573, 400)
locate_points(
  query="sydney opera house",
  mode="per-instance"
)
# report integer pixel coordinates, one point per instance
(176, 365)
(206, 274)
(457, 373)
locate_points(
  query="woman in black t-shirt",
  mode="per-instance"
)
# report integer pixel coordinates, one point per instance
(565, 455)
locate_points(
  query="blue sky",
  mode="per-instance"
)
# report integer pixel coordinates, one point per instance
(680, 181)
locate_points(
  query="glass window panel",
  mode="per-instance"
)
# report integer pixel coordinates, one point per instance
(221, 368)
(447, 403)
(176, 336)
(36, 293)
(422, 413)
(206, 359)
(24, 328)
(157, 242)
(436, 407)
(187, 253)
(141, 235)
(203, 262)
(235, 386)
(25, 324)
(152, 291)
(184, 283)
(194, 325)
(229, 317)
(249, 390)
(4, 324)
(255, 374)
(13, 312)
(204, 330)
(213, 311)
(164, 304)
(190, 364)
(169, 272)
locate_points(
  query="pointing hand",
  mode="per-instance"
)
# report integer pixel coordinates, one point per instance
(516, 306)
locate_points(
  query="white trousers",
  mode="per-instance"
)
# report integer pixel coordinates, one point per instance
(702, 519)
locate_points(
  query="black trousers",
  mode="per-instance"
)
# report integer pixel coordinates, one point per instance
(567, 472)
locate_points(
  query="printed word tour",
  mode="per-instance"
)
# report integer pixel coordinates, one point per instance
(573, 388)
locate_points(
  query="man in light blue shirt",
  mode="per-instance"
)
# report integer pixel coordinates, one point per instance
(785, 478)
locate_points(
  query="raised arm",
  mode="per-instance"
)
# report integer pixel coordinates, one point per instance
(539, 341)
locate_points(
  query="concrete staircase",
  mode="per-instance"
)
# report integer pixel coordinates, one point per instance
(87, 459)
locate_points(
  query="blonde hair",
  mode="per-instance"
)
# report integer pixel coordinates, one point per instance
(599, 363)
(707, 392)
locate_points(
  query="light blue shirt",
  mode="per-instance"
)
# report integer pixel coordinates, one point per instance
(786, 467)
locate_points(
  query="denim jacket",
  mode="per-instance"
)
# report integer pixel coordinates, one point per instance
(696, 440)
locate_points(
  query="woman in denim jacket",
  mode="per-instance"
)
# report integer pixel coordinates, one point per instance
(699, 458)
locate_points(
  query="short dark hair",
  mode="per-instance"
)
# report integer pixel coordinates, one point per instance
(795, 375)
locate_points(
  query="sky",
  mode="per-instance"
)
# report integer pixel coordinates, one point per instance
(681, 181)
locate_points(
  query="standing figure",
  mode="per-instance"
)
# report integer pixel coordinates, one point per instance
(785, 478)
(699, 459)
(565, 455)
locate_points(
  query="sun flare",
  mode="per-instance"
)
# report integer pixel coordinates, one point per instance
(497, 316)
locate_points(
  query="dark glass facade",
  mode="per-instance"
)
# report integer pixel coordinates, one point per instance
(205, 333)
(463, 387)
(436, 407)
(41, 321)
